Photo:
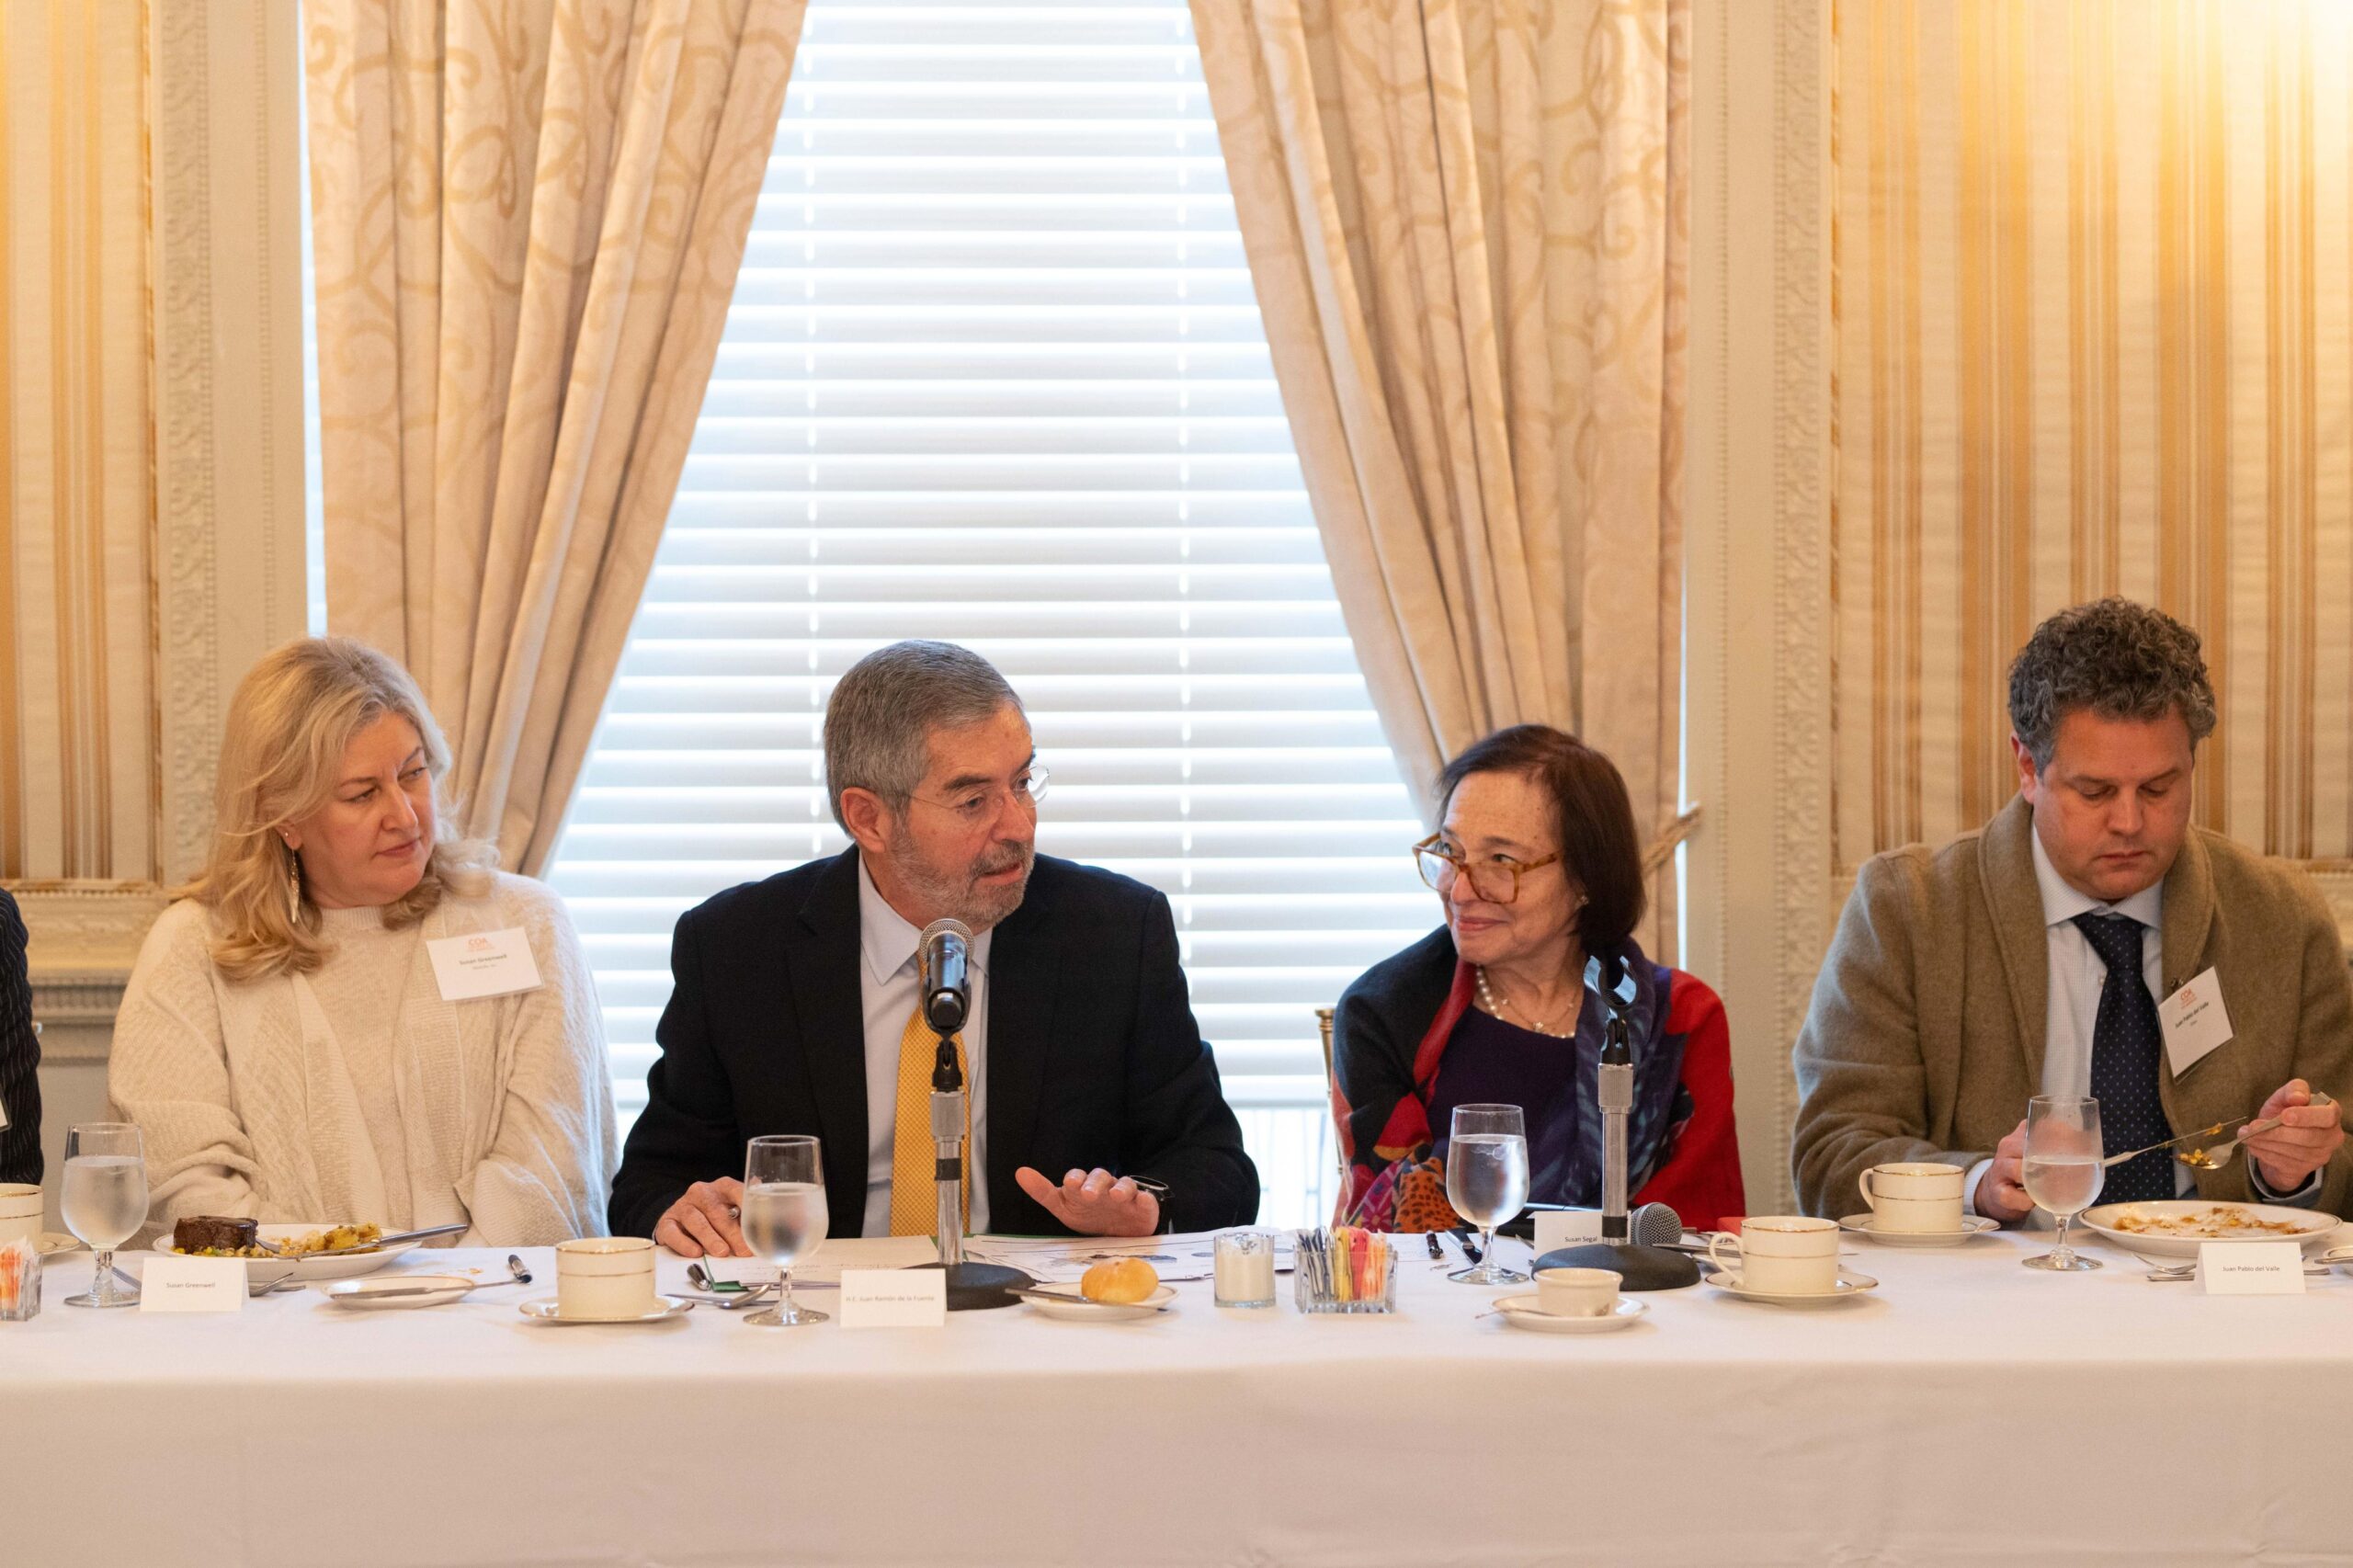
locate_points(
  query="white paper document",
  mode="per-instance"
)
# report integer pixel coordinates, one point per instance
(1061, 1260)
(484, 964)
(824, 1266)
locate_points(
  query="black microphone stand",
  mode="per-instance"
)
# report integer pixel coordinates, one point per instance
(1639, 1267)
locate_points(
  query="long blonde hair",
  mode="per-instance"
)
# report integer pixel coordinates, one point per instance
(292, 716)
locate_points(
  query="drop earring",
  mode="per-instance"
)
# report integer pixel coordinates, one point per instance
(293, 885)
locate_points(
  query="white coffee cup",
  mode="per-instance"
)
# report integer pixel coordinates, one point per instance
(1782, 1254)
(19, 1212)
(1577, 1292)
(1914, 1199)
(605, 1277)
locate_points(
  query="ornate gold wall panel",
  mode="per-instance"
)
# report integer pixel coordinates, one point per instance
(2092, 307)
(151, 507)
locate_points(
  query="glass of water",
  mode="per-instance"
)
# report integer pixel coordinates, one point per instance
(1486, 1181)
(783, 1216)
(2062, 1169)
(104, 1199)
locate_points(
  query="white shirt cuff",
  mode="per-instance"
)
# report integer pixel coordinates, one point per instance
(1969, 1186)
(2305, 1197)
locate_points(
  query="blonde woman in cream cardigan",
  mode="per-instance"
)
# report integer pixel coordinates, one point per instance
(300, 1042)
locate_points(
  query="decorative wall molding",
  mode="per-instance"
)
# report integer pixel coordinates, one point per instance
(1801, 666)
(224, 437)
(1761, 901)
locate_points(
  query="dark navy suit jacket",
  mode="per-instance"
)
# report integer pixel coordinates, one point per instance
(1094, 1056)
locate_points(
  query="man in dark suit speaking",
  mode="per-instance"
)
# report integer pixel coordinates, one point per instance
(793, 1008)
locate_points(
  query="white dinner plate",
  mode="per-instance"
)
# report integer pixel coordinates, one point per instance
(1850, 1287)
(393, 1291)
(1971, 1226)
(1068, 1304)
(51, 1243)
(343, 1266)
(2310, 1228)
(544, 1311)
(1522, 1312)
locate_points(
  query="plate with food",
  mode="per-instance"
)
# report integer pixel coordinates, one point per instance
(2178, 1227)
(1116, 1291)
(294, 1252)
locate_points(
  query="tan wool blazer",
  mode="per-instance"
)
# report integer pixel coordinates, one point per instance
(1925, 1038)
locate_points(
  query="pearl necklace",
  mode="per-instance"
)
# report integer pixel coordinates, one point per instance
(1499, 1004)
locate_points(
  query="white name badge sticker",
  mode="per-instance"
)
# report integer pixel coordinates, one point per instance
(2195, 1021)
(895, 1298)
(2251, 1268)
(1565, 1228)
(192, 1285)
(484, 964)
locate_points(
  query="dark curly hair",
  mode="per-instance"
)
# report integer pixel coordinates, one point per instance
(2119, 659)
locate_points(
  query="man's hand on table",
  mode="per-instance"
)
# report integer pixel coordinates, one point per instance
(1093, 1203)
(2001, 1192)
(703, 1222)
(2302, 1142)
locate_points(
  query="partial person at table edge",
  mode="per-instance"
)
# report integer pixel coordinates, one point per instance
(1966, 978)
(1538, 866)
(1094, 1104)
(299, 1042)
(20, 1158)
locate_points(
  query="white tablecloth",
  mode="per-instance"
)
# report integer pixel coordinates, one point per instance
(1968, 1412)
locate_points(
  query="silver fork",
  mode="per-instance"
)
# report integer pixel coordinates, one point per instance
(2211, 1158)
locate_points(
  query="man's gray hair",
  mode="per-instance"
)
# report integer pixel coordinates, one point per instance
(2119, 659)
(883, 712)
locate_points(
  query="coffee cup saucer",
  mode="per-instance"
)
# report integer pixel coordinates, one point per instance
(1850, 1285)
(1523, 1312)
(1971, 1226)
(545, 1311)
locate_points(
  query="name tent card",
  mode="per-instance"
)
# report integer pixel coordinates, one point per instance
(895, 1298)
(192, 1285)
(1557, 1228)
(2251, 1268)
(484, 964)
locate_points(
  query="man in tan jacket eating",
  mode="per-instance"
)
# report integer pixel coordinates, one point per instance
(1966, 978)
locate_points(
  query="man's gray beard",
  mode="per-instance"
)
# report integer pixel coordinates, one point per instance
(976, 906)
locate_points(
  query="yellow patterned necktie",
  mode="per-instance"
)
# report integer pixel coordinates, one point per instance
(915, 1158)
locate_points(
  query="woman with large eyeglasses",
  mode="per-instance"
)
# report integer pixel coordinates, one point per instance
(1538, 866)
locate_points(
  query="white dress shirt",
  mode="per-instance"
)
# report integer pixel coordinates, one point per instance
(887, 984)
(2077, 974)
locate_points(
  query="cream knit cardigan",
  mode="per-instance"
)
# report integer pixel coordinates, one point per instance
(246, 1109)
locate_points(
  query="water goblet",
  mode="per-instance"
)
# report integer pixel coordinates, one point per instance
(783, 1216)
(103, 1199)
(2063, 1170)
(1486, 1181)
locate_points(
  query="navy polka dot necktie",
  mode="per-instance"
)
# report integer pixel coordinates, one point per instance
(2126, 1047)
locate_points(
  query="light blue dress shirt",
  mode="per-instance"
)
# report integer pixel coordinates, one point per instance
(887, 986)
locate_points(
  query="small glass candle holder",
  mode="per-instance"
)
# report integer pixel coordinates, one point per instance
(19, 1281)
(1246, 1269)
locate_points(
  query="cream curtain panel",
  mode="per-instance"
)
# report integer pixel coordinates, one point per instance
(529, 220)
(1466, 222)
(2094, 321)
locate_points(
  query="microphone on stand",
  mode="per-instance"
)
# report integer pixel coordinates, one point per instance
(944, 992)
(1642, 1266)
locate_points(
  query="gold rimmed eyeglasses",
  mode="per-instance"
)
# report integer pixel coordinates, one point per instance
(983, 804)
(1439, 866)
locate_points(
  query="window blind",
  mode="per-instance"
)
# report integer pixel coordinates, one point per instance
(994, 373)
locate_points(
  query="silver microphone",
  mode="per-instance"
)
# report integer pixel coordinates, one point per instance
(944, 987)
